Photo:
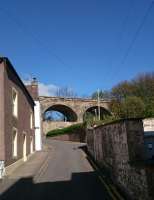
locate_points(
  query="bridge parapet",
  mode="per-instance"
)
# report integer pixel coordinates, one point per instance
(75, 103)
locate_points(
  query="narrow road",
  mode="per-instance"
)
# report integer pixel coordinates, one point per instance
(66, 176)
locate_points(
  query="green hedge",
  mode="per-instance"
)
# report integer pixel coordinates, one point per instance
(67, 130)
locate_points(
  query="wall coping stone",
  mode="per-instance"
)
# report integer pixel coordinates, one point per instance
(116, 122)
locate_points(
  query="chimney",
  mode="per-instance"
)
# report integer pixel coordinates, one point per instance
(33, 89)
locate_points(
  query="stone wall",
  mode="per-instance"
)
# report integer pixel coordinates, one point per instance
(68, 137)
(119, 148)
(76, 136)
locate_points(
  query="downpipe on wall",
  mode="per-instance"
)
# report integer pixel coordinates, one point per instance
(2, 169)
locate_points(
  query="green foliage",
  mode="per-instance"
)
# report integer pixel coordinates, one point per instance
(134, 98)
(144, 86)
(150, 108)
(116, 108)
(106, 120)
(122, 90)
(132, 107)
(67, 130)
(88, 119)
(91, 121)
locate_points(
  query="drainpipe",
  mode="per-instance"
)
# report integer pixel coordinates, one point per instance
(2, 169)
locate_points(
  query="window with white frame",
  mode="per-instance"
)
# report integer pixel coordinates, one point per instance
(31, 121)
(14, 102)
(14, 142)
(31, 144)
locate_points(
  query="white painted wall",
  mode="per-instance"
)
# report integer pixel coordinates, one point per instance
(148, 124)
(38, 128)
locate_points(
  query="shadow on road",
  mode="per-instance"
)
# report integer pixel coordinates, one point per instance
(84, 186)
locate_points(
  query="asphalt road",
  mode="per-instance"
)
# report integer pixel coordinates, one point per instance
(66, 175)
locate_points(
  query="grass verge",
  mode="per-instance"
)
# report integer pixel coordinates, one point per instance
(67, 130)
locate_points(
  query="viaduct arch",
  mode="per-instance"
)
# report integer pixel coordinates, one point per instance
(73, 108)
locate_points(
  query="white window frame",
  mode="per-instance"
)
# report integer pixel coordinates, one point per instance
(31, 120)
(24, 146)
(14, 143)
(31, 145)
(15, 104)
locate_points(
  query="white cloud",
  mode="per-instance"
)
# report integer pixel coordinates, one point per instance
(45, 89)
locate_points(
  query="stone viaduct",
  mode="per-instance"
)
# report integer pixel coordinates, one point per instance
(73, 108)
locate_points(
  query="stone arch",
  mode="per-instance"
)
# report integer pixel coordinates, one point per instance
(94, 111)
(70, 114)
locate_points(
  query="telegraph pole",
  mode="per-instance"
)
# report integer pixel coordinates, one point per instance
(98, 103)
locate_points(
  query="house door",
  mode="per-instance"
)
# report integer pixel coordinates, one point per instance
(24, 148)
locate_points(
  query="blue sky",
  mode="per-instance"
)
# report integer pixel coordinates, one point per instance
(77, 43)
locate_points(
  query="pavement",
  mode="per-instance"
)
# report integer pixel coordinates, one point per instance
(31, 168)
(62, 171)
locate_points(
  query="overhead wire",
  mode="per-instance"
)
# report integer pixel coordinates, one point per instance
(33, 35)
(121, 33)
(137, 32)
(124, 23)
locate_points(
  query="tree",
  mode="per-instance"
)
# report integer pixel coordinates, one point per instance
(132, 107)
(149, 110)
(116, 109)
(134, 98)
(141, 87)
(122, 90)
(144, 86)
(65, 92)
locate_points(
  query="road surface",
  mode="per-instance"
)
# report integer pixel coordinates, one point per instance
(66, 175)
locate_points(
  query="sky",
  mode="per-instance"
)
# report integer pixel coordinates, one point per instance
(80, 44)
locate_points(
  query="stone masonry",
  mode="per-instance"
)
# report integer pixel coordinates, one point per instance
(119, 149)
(75, 107)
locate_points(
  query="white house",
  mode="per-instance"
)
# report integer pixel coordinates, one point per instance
(33, 90)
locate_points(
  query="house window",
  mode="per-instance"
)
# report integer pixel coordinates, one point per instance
(24, 147)
(14, 102)
(31, 144)
(150, 146)
(31, 121)
(14, 148)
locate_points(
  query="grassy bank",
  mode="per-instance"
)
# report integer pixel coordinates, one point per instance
(68, 130)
